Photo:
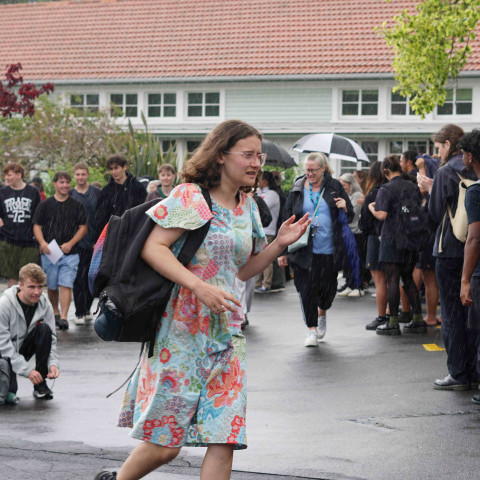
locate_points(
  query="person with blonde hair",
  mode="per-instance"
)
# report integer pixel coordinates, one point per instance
(316, 265)
(192, 392)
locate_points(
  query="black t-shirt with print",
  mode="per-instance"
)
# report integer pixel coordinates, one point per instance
(17, 208)
(60, 220)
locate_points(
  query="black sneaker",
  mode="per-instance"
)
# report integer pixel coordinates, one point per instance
(42, 392)
(106, 475)
(387, 329)
(342, 288)
(375, 324)
(62, 324)
(476, 399)
(405, 317)
(415, 327)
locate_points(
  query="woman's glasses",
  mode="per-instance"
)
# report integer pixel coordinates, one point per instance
(312, 170)
(250, 156)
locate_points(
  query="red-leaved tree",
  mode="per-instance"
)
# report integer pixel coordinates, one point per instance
(19, 97)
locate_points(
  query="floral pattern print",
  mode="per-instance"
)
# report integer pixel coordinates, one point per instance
(193, 390)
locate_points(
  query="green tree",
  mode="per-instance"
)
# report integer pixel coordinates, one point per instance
(431, 46)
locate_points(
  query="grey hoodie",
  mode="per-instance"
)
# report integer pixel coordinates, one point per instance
(13, 329)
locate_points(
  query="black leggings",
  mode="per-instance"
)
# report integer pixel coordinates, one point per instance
(396, 271)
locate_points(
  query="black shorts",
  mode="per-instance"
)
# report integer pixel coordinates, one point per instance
(426, 260)
(373, 251)
(390, 254)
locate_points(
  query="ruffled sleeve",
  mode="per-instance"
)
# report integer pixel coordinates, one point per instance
(259, 238)
(185, 207)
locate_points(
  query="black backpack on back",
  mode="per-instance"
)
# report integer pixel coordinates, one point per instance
(133, 296)
(411, 226)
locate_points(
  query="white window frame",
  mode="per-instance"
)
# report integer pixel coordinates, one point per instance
(455, 103)
(124, 105)
(360, 103)
(162, 105)
(204, 104)
(406, 101)
(85, 106)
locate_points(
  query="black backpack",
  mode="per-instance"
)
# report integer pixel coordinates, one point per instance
(410, 226)
(133, 296)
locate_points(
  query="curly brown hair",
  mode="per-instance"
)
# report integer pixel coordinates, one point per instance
(202, 168)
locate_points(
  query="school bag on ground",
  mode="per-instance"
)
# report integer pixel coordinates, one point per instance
(133, 296)
(411, 229)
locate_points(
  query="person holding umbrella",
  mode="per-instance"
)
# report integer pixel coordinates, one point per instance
(316, 265)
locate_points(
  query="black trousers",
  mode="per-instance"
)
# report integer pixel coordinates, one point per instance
(38, 342)
(459, 338)
(317, 287)
(81, 294)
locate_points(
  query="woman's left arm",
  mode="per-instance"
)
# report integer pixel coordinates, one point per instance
(289, 233)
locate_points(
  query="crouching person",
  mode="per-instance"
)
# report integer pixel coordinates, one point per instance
(27, 328)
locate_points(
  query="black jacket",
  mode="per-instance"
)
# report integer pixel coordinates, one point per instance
(293, 206)
(367, 223)
(115, 199)
(445, 190)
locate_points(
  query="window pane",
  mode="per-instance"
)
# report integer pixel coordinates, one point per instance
(446, 109)
(194, 111)
(153, 111)
(212, 111)
(417, 146)
(131, 111)
(131, 99)
(449, 96)
(396, 147)
(76, 100)
(399, 109)
(350, 96)
(168, 145)
(170, 98)
(369, 96)
(369, 109)
(464, 108)
(169, 111)
(464, 94)
(396, 97)
(92, 99)
(195, 98)
(191, 147)
(116, 98)
(154, 99)
(350, 109)
(212, 97)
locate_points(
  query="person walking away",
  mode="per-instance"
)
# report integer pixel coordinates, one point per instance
(354, 192)
(88, 196)
(372, 228)
(122, 192)
(18, 202)
(316, 266)
(63, 219)
(166, 177)
(268, 194)
(470, 284)
(27, 328)
(449, 251)
(398, 262)
(193, 390)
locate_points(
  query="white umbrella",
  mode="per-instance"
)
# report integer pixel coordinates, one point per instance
(332, 144)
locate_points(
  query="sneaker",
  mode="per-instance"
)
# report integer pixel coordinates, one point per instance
(62, 324)
(88, 318)
(342, 288)
(345, 293)
(322, 327)
(262, 289)
(105, 475)
(388, 329)
(476, 399)
(449, 383)
(356, 293)
(405, 317)
(57, 321)
(415, 327)
(12, 399)
(375, 324)
(80, 320)
(277, 289)
(245, 322)
(311, 340)
(42, 391)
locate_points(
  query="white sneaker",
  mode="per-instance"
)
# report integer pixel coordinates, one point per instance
(322, 327)
(88, 318)
(356, 293)
(345, 292)
(79, 320)
(311, 340)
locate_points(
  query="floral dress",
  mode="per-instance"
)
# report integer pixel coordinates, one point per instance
(192, 391)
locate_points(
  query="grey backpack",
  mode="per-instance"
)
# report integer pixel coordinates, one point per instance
(4, 379)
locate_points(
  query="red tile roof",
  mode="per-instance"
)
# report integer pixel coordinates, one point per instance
(162, 39)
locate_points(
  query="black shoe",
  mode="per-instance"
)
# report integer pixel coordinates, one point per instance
(245, 322)
(476, 399)
(341, 289)
(42, 392)
(375, 324)
(105, 475)
(405, 317)
(415, 327)
(62, 324)
(387, 329)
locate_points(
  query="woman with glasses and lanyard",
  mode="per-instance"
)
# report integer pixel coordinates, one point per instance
(315, 266)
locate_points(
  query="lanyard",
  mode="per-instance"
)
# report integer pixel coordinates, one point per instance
(319, 197)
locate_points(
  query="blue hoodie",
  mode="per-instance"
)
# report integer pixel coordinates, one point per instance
(445, 190)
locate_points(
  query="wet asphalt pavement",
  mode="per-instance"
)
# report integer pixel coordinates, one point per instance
(360, 406)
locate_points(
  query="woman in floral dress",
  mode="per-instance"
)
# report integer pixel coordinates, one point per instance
(192, 391)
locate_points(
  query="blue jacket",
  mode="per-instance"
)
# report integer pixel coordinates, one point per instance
(445, 190)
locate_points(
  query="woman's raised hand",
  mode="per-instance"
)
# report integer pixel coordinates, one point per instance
(290, 232)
